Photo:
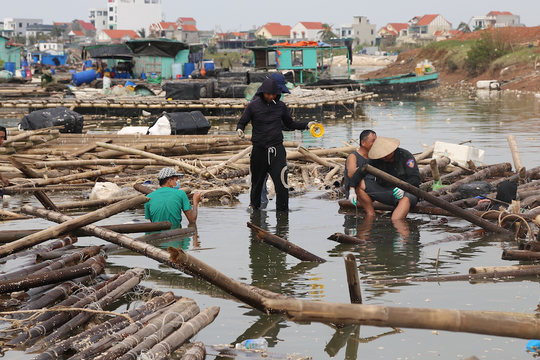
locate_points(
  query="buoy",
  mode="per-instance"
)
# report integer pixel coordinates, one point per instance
(316, 130)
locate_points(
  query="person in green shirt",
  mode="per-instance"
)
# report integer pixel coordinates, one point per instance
(168, 202)
(226, 63)
(47, 78)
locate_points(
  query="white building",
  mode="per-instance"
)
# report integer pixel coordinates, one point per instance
(133, 14)
(99, 18)
(52, 48)
(496, 19)
(306, 30)
(18, 26)
(363, 31)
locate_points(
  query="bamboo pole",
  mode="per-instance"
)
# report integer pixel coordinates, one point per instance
(491, 269)
(23, 168)
(196, 352)
(67, 241)
(215, 169)
(87, 148)
(151, 156)
(314, 157)
(467, 235)
(45, 200)
(509, 254)
(27, 134)
(96, 162)
(346, 239)
(284, 245)
(352, 279)
(89, 218)
(435, 201)
(426, 154)
(515, 152)
(385, 316)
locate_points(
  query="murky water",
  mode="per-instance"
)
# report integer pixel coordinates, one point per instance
(227, 244)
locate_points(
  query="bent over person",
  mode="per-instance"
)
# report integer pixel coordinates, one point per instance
(385, 155)
(268, 156)
(168, 202)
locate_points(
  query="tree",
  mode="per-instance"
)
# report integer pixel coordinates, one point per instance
(326, 33)
(464, 27)
(491, 46)
(142, 32)
(56, 32)
(261, 41)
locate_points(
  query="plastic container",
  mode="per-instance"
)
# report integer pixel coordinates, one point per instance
(53, 71)
(176, 70)
(10, 66)
(84, 77)
(153, 75)
(188, 69)
(130, 85)
(253, 344)
(209, 65)
(106, 82)
(28, 73)
(88, 63)
(459, 153)
(143, 76)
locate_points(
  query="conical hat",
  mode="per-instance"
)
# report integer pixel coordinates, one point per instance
(383, 146)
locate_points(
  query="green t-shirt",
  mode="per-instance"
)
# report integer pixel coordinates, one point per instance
(167, 204)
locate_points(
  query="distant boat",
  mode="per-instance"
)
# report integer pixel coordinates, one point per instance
(400, 83)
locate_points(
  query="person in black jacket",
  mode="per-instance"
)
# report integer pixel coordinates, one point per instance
(268, 156)
(385, 155)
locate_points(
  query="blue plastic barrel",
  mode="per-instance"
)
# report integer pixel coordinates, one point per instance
(84, 77)
(209, 65)
(88, 63)
(188, 68)
(10, 66)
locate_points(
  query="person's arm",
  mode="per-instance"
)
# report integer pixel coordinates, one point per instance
(351, 165)
(4, 180)
(411, 169)
(244, 119)
(289, 122)
(192, 213)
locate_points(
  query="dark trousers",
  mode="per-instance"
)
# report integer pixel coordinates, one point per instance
(273, 161)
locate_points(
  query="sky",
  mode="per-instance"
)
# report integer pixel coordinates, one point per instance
(234, 15)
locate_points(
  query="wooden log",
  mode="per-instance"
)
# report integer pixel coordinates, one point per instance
(54, 231)
(491, 269)
(175, 258)
(27, 134)
(152, 156)
(215, 169)
(435, 201)
(87, 148)
(67, 241)
(427, 185)
(352, 279)
(115, 324)
(24, 169)
(11, 235)
(51, 277)
(385, 316)
(297, 155)
(530, 246)
(509, 254)
(233, 174)
(196, 352)
(515, 152)
(176, 339)
(11, 215)
(96, 162)
(346, 239)
(426, 154)
(90, 203)
(54, 188)
(284, 245)
(314, 157)
(331, 173)
(45, 200)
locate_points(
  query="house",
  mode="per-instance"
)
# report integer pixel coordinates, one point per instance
(393, 30)
(80, 26)
(51, 47)
(441, 35)
(163, 29)
(189, 34)
(425, 27)
(99, 18)
(116, 36)
(274, 31)
(19, 25)
(496, 19)
(363, 31)
(306, 30)
(133, 15)
(10, 52)
(235, 41)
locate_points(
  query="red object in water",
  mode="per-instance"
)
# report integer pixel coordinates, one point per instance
(178, 76)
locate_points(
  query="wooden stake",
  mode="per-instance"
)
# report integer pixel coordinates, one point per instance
(515, 152)
(352, 279)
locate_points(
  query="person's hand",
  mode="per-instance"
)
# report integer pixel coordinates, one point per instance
(196, 197)
(310, 124)
(353, 198)
(6, 181)
(398, 193)
(240, 134)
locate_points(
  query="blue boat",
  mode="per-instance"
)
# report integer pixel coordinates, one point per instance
(401, 83)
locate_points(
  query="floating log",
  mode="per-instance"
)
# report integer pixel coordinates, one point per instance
(96, 162)
(459, 237)
(29, 188)
(176, 339)
(509, 254)
(45, 200)
(436, 201)
(23, 168)
(284, 245)
(54, 231)
(437, 164)
(426, 154)
(352, 279)
(491, 269)
(346, 239)
(69, 240)
(27, 134)
(385, 316)
(530, 246)
(314, 157)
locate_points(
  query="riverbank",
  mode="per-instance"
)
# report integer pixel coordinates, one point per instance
(519, 69)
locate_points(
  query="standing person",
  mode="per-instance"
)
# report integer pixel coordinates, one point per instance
(226, 64)
(168, 202)
(385, 155)
(3, 136)
(356, 160)
(268, 156)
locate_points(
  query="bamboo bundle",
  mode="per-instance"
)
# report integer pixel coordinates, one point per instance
(385, 316)
(52, 246)
(176, 339)
(58, 180)
(196, 352)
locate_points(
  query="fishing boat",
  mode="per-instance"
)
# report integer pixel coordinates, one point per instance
(411, 82)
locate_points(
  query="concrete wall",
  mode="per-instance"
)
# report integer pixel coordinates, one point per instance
(99, 17)
(363, 31)
(133, 14)
(309, 34)
(19, 25)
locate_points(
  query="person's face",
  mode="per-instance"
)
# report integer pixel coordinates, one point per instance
(389, 157)
(2, 137)
(368, 143)
(269, 97)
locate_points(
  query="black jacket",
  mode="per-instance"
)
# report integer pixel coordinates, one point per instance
(403, 167)
(267, 118)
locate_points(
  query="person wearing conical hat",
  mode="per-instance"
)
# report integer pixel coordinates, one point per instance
(386, 155)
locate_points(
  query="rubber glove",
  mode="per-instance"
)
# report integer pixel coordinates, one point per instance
(398, 193)
(310, 124)
(240, 134)
(353, 198)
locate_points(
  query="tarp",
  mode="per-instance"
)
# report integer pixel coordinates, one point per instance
(110, 51)
(298, 44)
(163, 48)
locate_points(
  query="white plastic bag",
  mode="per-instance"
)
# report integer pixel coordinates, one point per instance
(130, 130)
(104, 190)
(161, 127)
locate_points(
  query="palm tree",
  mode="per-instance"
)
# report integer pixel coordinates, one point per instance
(56, 32)
(326, 33)
(142, 32)
(464, 27)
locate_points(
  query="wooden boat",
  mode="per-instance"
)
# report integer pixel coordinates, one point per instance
(400, 83)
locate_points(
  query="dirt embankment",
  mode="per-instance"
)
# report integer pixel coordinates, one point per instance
(518, 70)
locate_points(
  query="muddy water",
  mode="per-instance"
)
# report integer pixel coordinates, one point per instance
(226, 243)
